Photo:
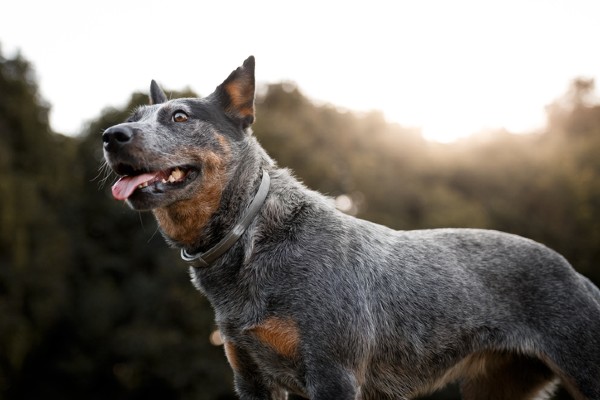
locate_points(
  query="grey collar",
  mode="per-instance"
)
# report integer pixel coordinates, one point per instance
(210, 256)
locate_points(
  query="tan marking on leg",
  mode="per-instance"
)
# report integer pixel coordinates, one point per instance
(183, 221)
(566, 380)
(231, 354)
(280, 334)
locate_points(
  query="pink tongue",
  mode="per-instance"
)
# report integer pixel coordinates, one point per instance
(123, 188)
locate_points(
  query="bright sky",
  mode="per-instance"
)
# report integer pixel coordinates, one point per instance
(450, 67)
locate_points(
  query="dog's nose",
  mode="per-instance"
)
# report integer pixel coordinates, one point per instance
(117, 136)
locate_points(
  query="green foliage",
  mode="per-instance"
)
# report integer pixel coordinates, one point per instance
(93, 303)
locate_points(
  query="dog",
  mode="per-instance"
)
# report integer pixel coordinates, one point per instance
(317, 303)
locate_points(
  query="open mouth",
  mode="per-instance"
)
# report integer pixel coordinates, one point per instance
(151, 182)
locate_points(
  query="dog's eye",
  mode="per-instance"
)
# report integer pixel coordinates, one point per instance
(179, 116)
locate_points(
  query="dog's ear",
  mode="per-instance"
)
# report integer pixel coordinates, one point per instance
(236, 94)
(157, 96)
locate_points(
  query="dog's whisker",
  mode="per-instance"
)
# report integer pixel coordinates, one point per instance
(153, 234)
(104, 173)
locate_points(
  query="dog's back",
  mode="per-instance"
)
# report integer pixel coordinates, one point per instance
(402, 313)
(408, 312)
(315, 302)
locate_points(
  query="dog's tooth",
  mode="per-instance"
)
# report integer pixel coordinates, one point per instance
(176, 174)
(164, 180)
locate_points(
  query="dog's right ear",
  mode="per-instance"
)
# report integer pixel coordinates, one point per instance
(236, 94)
(157, 96)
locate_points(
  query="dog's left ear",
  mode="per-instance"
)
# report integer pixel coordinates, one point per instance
(236, 94)
(157, 96)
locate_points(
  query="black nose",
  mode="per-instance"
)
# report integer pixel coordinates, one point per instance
(117, 136)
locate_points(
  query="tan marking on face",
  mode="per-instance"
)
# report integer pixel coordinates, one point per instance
(224, 143)
(231, 354)
(183, 221)
(280, 334)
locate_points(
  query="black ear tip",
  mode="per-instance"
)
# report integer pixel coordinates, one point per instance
(249, 63)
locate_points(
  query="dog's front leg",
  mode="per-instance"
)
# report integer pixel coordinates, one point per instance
(248, 380)
(326, 381)
(250, 386)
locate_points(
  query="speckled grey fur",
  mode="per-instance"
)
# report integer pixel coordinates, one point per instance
(383, 314)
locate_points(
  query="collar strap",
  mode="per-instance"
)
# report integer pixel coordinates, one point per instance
(207, 258)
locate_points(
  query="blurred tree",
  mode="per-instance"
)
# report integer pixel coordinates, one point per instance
(338, 152)
(34, 171)
(576, 111)
(92, 306)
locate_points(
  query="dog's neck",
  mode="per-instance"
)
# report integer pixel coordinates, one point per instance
(182, 222)
(205, 259)
(199, 223)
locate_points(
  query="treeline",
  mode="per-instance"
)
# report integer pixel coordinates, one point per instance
(542, 185)
(95, 306)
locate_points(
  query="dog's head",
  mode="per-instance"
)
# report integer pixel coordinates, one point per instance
(179, 150)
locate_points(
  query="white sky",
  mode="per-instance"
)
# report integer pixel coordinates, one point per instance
(449, 67)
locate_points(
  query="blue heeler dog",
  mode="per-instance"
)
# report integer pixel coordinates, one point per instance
(315, 302)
